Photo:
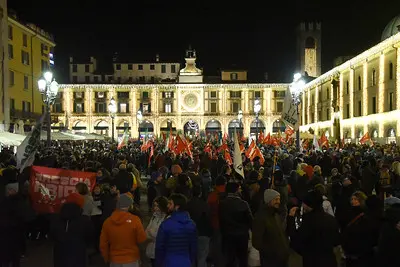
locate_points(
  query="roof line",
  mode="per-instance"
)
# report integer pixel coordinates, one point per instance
(391, 41)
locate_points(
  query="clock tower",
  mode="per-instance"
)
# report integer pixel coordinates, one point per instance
(309, 49)
(190, 73)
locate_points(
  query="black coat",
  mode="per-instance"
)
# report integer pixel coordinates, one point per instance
(315, 238)
(235, 216)
(12, 230)
(71, 233)
(200, 214)
(389, 239)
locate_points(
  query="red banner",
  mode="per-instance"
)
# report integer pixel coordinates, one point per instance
(50, 187)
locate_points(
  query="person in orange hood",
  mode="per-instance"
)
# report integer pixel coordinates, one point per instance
(120, 236)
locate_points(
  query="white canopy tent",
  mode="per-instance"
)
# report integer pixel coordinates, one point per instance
(11, 139)
(61, 136)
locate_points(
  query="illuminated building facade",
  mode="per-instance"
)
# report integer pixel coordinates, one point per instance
(190, 105)
(30, 54)
(361, 95)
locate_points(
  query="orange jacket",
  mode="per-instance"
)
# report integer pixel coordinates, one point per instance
(120, 236)
(213, 203)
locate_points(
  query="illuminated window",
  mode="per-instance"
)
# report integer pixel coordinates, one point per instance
(373, 77)
(167, 107)
(123, 108)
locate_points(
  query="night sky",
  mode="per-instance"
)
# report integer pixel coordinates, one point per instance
(257, 35)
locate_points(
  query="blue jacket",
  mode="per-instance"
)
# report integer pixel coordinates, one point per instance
(176, 242)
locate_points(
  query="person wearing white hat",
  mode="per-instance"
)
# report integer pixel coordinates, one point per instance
(268, 233)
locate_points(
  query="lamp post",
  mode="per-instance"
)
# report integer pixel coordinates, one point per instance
(336, 123)
(48, 87)
(139, 117)
(112, 108)
(240, 116)
(257, 108)
(296, 89)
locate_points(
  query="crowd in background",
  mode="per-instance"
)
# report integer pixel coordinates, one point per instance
(335, 206)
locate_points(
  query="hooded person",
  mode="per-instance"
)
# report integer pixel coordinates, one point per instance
(121, 234)
(269, 236)
(71, 233)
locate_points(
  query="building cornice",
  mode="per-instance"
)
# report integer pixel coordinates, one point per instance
(31, 31)
(174, 86)
(393, 41)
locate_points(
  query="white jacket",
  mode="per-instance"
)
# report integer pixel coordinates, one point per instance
(326, 205)
(151, 231)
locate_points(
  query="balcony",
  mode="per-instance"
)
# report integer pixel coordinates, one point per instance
(212, 113)
(20, 114)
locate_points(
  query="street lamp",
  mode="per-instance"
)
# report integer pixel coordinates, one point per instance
(48, 87)
(112, 108)
(257, 108)
(296, 89)
(240, 116)
(139, 118)
(336, 123)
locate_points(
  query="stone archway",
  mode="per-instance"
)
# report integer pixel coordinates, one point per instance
(191, 128)
(213, 127)
(168, 126)
(146, 128)
(102, 127)
(235, 125)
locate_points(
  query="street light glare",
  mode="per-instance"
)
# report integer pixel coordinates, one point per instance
(54, 87)
(42, 85)
(48, 76)
(297, 76)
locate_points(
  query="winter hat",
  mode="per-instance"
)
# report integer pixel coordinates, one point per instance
(313, 200)
(76, 198)
(155, 175)
(124, 201)
(12, 186)
(176, 169)
(270, 195)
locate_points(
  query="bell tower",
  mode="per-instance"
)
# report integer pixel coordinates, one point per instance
(309, 49)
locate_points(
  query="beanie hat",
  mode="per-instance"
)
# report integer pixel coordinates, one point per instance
(313, 199)
(270, 195)
(155, 175)
(176, 169)
(124, 201)
(76, 198)
(12, 186)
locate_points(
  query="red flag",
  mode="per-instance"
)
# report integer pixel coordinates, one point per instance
(365, 138)
(323, 141)
(250, 149)
(228, 157)
(151, 152)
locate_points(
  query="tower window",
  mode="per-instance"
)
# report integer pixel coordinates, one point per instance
(310, 42)
(391, 71)
(359, 83)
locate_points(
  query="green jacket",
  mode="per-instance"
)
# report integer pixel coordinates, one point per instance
(268, 235)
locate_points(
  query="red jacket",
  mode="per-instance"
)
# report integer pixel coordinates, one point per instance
(213, 203)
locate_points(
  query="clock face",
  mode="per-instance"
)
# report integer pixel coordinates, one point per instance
(190, 100)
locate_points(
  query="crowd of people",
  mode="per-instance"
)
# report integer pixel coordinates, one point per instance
(333, 207)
